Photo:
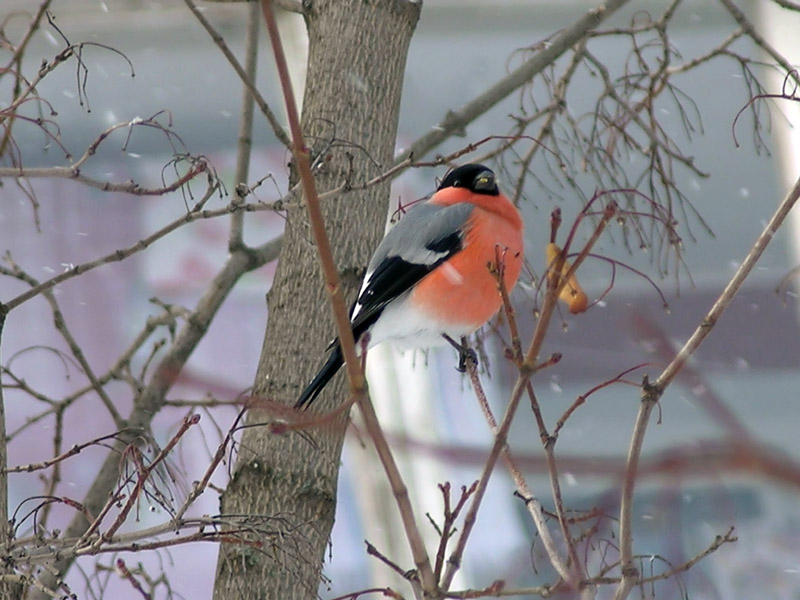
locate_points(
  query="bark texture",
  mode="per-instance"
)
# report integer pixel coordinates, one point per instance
(357, 55)
(8, 590)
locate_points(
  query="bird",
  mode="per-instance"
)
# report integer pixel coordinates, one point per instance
(429, 280)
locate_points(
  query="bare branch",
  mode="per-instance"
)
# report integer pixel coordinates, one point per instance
(651, 393)
(124, 253)
(246, 80)
(73, 451)
(151, 398)
(129, 187)
(457, 120)
(762, 43)
(245, 137)
(788, 5)
(355, 372)
(77, 352)
(26, 37)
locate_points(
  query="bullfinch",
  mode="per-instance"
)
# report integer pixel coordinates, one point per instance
(430, 280)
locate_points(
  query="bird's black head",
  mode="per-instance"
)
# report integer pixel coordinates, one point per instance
(474, 177)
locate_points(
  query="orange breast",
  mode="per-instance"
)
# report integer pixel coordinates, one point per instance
(463, 291)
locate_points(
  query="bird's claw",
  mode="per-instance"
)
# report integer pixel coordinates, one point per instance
(465, 356)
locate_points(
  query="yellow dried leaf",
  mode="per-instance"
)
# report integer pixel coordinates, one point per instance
(571, 294)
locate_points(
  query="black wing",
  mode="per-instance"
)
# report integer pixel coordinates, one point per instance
(394, 276)
(424, 238)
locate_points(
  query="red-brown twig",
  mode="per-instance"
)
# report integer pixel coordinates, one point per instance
(385, 592)
(76, 449)
(451, 514)
(126, 574)
(144, 473)
(531, 503)
(528, 366)
(354, 373)
(580, 400)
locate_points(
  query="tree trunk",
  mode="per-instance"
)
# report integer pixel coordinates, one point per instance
(8, 590)
(357, 55)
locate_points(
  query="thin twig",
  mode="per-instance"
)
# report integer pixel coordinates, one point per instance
(457, 120)
(26, 37)
(61, 326)
(73, 451)
(249, 83)
(526, 370)
(355, 374)
(150, 399)
(128, 187)
(533, 505)
(124, 253)
(146, 471)
(245, 137)
(760, 41)
(651, 393)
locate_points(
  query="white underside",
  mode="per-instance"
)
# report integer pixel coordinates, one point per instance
(407, 327)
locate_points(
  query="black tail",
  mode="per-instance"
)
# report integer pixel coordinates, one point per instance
(325, 374)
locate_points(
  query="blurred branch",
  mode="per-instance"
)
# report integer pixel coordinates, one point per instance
(651, 393)
(61, 326)
(267, 252)
(126, 574)
(14, 65)
(45, 69)
(36, 20)
(20, 96)
(150, 400)
(760, 41)
(788, 5)
(245, 136)
(248, 82)
(456, 121)
(557, 104)
(694, 377)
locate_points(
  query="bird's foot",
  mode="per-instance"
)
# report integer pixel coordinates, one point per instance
(466, 354)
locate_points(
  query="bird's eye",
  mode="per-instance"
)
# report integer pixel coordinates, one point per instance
(457, 183)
